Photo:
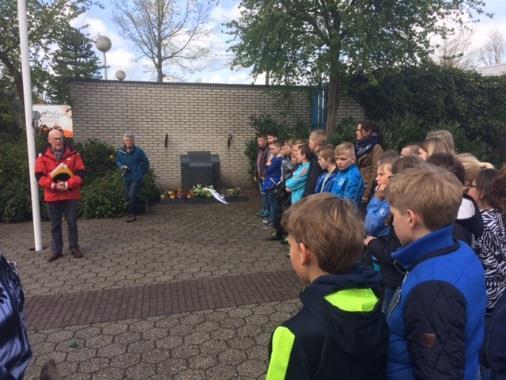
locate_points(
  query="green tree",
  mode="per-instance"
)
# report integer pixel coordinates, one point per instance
(7, 107)
(48, 20)
(74, 59)
(314, 41)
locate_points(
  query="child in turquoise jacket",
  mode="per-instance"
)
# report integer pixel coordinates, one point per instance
(296, 183)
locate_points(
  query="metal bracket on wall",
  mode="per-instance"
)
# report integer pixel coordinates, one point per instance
(229, 140)
(166, 140)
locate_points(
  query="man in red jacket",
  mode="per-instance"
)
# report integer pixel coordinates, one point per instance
(59, 170)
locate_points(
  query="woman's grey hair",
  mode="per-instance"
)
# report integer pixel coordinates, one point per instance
(129, 135)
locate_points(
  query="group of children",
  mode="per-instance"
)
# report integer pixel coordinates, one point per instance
(402, 280)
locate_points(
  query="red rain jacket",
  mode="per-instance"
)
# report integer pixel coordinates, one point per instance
(46, 162)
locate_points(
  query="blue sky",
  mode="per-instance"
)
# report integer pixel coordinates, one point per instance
(216, 68)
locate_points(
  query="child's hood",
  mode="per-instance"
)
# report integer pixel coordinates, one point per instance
(356, 332)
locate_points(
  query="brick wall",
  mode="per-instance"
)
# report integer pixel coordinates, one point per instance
(194, 116)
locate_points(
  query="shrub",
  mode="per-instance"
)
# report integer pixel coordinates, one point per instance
(14, 181)
(102, 193)
(150, 192)
(409, 102)
(104, 197)
(345, 131)
(98, 158)
(264, 124)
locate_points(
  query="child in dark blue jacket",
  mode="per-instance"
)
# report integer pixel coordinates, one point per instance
(327, 162)
(272, 178)
(340, 332)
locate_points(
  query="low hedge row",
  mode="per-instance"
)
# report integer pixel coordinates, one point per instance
(101, 195)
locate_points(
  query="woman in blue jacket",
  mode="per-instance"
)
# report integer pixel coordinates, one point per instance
(134, 165)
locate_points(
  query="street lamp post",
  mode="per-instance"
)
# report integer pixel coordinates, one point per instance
(120, 75)
(103, 44)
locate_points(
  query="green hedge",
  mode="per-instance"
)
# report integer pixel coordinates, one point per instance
(15, 205)
(101, 195)
(410, 102)
(103, 198)
(264, 124)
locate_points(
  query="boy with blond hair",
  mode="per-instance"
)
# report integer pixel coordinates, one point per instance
(348, 182)
(340, 331)
(436, 317)
(327, 162)
(378, 208)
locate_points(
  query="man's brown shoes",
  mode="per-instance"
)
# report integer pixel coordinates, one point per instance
(54, 256)
(76, 252)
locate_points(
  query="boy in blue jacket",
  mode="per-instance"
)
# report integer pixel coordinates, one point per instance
(378, 208)
(327, 162)
(340, 332)
(296, 183)
(348, 183)
(436, 317)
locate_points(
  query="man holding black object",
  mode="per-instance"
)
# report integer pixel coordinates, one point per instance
(134, 165)
(60, 170)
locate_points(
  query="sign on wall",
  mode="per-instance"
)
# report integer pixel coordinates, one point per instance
(55, 116)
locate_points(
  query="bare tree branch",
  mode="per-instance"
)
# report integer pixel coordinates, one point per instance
(493, 51)
(164, 31)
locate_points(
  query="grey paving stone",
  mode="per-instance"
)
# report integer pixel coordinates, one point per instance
(196, 338)
(156, 356)
(127, 337)
(87, 332)
(251, 369)
(109, 374)
(81, 355)
(141, 346)
(169, 342)
(115, 328)
(155, 333)
(59, 336)
(111, 350)
(141, 371)
(70, 345)
(232, 357)
(171, 368)
(99, 341)
(222, 372)
(203, 361)
(126, 360)
(185, 351)
(93, 365)
(157, 249)
(191, 374)
(223, 343)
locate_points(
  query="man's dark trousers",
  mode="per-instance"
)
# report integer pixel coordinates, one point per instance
(56, 210)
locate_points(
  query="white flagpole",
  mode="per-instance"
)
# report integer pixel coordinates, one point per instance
(30, 140)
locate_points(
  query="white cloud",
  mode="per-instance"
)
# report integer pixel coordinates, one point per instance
(214, 68)
(242, 76)
(221, 14)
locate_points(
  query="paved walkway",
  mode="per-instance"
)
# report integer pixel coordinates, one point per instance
(187, 292)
